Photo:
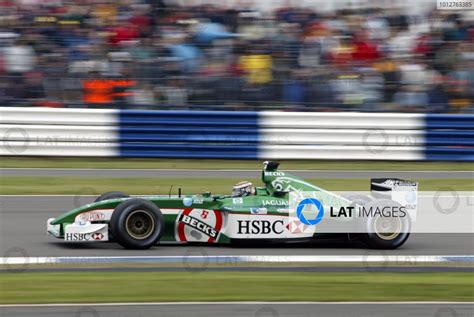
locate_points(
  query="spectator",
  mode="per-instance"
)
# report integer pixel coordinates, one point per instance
(136, 53)
(19, 58)
(142, 96)
(438, 99)
(175, 93)
(294, 91)
(410, 99)
(34, 89)
(257, 68)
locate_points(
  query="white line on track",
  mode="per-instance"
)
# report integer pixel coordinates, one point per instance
(386, 260)
(235, 303)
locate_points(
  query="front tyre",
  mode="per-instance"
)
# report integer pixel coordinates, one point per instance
(386, 232)
(137, 224)
(107, 196)
(111, 195)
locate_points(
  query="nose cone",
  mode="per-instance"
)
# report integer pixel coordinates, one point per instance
(52, 229)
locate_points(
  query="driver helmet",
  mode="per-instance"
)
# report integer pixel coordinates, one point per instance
(243, 188)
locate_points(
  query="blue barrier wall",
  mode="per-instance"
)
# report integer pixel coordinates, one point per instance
(193, 134)
(236, 135)
(244, 135)
(449, 137)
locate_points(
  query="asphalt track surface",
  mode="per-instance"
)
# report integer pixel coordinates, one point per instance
(190, 173)
(23, 227)
(247, 310)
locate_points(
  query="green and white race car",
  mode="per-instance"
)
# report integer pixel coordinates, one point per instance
(263, 214)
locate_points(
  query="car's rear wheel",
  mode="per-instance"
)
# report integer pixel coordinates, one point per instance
(137, 224)
(356, 199)
(386, 232)
(111, 195)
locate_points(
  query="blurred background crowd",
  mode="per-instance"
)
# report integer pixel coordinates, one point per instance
(158, 54)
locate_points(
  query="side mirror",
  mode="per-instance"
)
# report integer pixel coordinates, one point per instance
(216, 197)
(270, 165)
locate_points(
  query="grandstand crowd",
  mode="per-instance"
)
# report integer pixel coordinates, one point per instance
(156, 54)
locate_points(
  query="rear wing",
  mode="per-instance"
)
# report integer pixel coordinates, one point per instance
(402, 191)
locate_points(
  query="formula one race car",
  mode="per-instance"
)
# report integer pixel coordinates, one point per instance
(248, 214)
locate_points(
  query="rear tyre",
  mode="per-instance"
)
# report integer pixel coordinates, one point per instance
(111, 195)
(386, 232)
(137, 224)
(356, 199)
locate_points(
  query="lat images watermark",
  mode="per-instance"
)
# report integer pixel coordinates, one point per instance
(399, 210)
(325, 212)
(375, 140)
(18, 140)
(381, 261)
(16, 260)
(446, 312)
(87, 312)
(379, 140)
(379, 265)
(451, 202)
(197, 260)
(266, 311)
(84, 195)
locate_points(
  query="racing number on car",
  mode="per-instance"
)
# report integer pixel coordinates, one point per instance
(204, 214)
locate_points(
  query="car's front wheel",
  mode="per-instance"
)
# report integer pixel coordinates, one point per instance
(111, 195)
(137, 224)
(107, 196)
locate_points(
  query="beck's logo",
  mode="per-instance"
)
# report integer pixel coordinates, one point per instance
(279, 174)
(260, 227)
(199, 225)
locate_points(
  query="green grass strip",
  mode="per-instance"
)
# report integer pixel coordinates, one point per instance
(150, 186)
(233, 286)
(64, 162)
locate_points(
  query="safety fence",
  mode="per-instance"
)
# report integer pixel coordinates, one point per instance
(449, 137)
(236, 135)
